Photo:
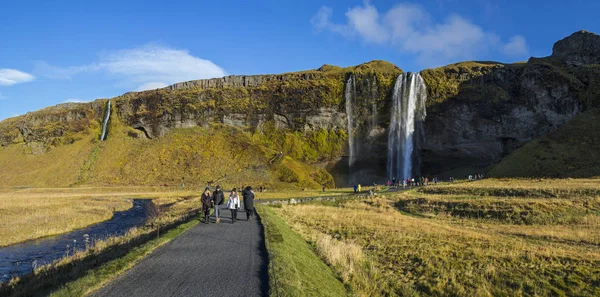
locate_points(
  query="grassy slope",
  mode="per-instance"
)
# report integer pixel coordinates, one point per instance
(21, 168)
(299, 270)
(572, 150)
(226, 155)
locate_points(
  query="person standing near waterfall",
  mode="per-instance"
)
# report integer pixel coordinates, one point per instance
(218, 199)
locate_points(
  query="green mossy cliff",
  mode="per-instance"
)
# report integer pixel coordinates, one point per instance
(264, 129)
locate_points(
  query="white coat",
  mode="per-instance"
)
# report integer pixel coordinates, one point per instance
(234, 202)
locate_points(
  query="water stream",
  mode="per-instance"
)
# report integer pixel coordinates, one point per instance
(21, 258)
(105, 122)
(407, 114)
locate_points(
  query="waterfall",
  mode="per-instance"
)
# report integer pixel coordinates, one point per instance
(408, 112)
(105, 122)
(349, 96)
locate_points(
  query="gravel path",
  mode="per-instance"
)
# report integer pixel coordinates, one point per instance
(208, 260)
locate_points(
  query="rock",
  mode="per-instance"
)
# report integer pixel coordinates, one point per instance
(325, 118)
(580, 48)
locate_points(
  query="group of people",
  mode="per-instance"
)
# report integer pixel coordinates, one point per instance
(217, 199)
(411, 182)
(473, 177)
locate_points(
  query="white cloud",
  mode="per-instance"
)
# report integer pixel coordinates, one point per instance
(365, 20)
(321, 22)
(9, 77)
(517, 46)
(411, 29)
(146, 67)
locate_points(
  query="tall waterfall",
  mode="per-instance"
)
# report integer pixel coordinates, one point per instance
(406, 130)
(105, 122)
(349, 96)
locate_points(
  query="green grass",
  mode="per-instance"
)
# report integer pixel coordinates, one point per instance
(96, 278)
(299, 271)
(572, 150)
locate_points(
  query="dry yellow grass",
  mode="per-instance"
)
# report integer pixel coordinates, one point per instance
(296, 193)
(33, 213)
(429, 254)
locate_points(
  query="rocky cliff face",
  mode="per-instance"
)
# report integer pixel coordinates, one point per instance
(481, 112)
(580, 48)
(52, 126)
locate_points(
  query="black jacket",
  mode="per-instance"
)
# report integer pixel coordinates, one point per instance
(206, 201)
(218, 197)
(248, 199)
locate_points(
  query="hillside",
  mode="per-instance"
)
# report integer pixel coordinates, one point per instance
(480, 112)
(266, 129)
(292, 128)
(572, 150)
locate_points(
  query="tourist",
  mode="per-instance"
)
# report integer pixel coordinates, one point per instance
(233, 204)
(248, 195)
(358, 188)
(206, 204)
(355, 189)
(403, 184)
(218, 199)
(323, 187)
(394, 182)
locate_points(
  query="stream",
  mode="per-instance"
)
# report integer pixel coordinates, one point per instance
(22, 258)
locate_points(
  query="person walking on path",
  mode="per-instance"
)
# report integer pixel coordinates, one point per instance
(249, 202)
(206, 204)
(233, 204)
(358, 188)
(218, 199)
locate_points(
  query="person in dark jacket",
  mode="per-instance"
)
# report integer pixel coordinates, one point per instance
(218, 199)
(248, 195)
(206, 204)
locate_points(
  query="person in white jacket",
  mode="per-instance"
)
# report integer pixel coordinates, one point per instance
(233, 204)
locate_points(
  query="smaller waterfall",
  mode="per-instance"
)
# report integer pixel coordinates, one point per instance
(349, 96)
(105, 122)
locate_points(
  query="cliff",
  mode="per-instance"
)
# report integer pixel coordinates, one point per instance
(480, 112)
(293, 127)
(301, 115)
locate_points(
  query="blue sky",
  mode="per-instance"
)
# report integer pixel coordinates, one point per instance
(80, 50)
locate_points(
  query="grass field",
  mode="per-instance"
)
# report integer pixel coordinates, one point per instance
(27, 214)
(30, 213)
(486, 238)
